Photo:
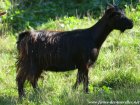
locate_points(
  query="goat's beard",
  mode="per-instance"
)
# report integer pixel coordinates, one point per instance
(122, 30)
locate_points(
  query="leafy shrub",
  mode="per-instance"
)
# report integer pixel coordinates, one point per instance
(25, 14)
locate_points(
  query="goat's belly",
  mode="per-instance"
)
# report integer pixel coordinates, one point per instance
(59, 65)
(60, 68)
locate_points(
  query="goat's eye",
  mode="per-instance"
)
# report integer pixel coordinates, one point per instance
(115, 14)
(118, 15)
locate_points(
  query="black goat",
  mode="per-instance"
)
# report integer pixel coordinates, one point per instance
(64, 51)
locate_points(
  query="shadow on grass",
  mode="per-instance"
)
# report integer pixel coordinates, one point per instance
(69, 97)
(119, 95)
(7, 100)
(120, 79)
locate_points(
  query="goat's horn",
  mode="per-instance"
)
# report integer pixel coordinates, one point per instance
(110, 5)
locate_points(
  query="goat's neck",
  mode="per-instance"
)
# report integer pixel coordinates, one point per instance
(100, 31)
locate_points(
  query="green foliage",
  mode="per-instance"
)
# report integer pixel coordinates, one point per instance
(25, 14)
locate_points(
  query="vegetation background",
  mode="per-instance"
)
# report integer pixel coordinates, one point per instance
(114, 77)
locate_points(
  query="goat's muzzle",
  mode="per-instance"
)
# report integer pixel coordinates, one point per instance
(130, 24)
(127, 24)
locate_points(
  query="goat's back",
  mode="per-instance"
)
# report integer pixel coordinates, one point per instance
(54, 50)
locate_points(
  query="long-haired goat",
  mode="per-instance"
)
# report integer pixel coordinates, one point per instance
(64, 51)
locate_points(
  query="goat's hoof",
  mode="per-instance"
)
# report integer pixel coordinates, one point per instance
(20, 98)
(37, 90)
(86, 91)
(74, 87)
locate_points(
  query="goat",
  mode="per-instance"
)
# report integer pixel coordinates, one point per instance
(40, 51)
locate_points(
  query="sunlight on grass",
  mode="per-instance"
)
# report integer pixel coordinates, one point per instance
(67, 23)
(4, 46)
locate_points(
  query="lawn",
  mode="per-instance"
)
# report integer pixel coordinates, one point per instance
(115, 77)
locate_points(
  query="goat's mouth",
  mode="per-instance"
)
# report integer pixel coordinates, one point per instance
(130, 25)
(122, 30)
(126, 24)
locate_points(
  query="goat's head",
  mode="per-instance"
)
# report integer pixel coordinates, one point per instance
(117, 19)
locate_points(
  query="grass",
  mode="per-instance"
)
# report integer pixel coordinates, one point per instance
(114, 77)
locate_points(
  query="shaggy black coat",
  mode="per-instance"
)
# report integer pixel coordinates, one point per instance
(64, 51)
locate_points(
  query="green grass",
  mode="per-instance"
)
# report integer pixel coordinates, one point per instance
(114, 77)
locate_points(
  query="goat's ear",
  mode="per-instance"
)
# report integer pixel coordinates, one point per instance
(110, 10)
(2, 13)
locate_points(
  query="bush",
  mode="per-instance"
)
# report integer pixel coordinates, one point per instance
(25, 14)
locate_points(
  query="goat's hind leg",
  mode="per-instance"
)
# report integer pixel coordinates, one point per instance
(82, 76)
(34, 76)
(20, 79)
(33, 82)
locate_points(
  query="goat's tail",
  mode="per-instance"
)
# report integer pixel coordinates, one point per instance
(25, 69)
(22, 36)
(22, 47)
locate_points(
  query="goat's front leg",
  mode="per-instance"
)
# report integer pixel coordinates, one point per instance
(82, 76)
(78, 79)
(20, 83)
(85, 80)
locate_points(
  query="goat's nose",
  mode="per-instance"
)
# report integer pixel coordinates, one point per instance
(128, 22)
